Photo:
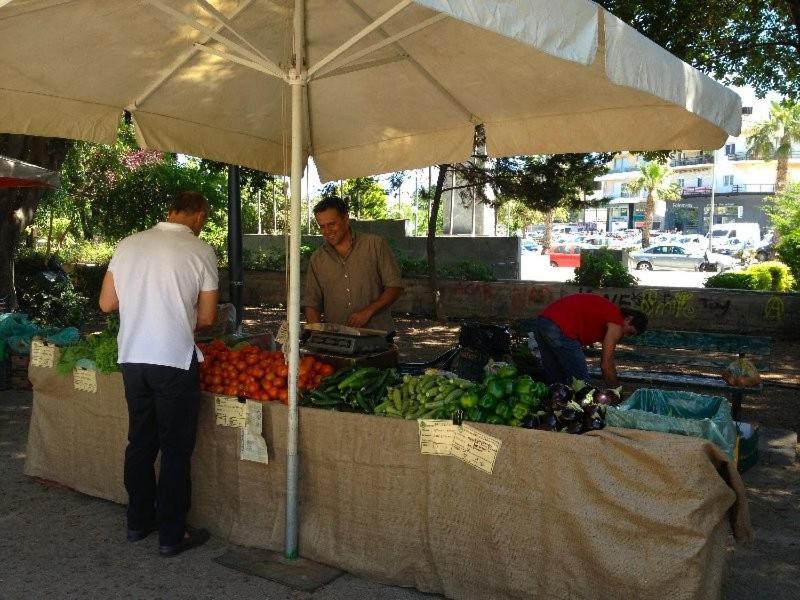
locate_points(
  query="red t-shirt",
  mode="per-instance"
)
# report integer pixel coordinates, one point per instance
(583, 317)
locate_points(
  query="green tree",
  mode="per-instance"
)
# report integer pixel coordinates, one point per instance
(365, 196)
(775, 137)
(654, 179)
(783, 209)
(738, 42)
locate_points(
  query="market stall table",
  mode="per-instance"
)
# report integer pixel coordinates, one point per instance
(610, 514)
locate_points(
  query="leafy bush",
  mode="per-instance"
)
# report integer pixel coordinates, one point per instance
(92, 253)
(412, 267)
(769, 276)
(732, 280)
(57, 304)
(271, 259)
(467, 270)
(788, 248)
(602, 269)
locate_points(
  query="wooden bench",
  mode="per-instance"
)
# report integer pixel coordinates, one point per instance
(691, 349)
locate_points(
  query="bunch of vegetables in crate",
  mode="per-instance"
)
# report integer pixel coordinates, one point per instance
(97, 351)
(434, 395)
(260, 374)
(358, 389)
(573, 409)
(506, 398)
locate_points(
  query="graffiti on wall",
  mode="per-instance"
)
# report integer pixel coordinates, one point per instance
(774, 309)
(684, 304)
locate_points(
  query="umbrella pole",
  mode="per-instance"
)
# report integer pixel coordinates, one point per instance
(297, 81)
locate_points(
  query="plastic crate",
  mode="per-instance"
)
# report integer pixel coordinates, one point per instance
(682, 413)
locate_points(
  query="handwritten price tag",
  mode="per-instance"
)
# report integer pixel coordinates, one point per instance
(85, 380)
(436, 436)
(229, 412)
(475, 448)
(253, 446)
(42, 354)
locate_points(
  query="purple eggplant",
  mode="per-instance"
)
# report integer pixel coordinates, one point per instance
(559, 396)
(575, 427)
(607, 397)
(593, 424)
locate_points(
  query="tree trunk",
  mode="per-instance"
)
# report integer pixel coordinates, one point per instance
(18, 207)
(433, 280)
(547, 238)
(649, 209)
(781, 173)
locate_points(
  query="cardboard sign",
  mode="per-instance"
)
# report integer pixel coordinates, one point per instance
(475, 448)
(42, 354)
(229, 412)
(85, 380)
(436, 436)
(253, 447)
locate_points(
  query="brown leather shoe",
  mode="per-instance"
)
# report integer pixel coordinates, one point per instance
(194, 538)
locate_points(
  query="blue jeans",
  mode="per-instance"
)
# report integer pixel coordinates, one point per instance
(562, 357)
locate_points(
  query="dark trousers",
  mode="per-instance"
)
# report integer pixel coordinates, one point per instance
(562, 357)
(163, 404)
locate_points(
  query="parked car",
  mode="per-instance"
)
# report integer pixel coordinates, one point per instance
(667, 257)
(565, 256)
(530, 246)
(766, 248)
(678, 258)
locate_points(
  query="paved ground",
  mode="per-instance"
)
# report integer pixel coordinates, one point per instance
(56, 543)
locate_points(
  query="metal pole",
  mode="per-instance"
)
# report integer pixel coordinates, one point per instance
(452, 196)
(258, 202)
(274, 210)
(235, 272)
(713, 187)
(297, 83)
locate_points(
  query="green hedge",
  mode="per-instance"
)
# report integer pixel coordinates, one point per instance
(768, 276)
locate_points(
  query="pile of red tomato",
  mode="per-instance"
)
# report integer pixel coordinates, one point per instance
(254, 372)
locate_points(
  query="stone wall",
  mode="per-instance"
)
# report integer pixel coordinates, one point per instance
(715, 310)
(502, 254)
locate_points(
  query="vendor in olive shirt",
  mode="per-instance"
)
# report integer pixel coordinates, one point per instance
(353, 278)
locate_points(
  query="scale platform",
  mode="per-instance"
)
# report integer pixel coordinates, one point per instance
(346, 341)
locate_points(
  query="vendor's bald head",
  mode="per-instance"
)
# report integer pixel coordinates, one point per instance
(190, 209)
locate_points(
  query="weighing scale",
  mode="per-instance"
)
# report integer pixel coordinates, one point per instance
(348, 341)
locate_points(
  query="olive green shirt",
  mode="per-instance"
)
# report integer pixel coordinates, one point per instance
(338, 286)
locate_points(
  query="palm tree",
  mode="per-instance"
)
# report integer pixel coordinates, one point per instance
(774, 137)
(654, 179)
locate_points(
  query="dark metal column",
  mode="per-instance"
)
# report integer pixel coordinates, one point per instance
(235, 270)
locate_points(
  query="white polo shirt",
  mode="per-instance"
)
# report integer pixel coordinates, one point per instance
(158, 276)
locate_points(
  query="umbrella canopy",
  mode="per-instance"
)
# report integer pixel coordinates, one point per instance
(371, 85)
(17, 174)
(390, 84)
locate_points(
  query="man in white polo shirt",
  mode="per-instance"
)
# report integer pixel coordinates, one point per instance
(164, 283)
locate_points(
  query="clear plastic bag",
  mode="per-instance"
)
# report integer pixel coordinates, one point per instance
(683, 413)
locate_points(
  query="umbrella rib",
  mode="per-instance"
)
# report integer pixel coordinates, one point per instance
(223, 20)
(350, 68)
(390, 40)
(422, 70)
(25, 10)
(242, 61)
(376, 24)
(213, 34)
(182, 60)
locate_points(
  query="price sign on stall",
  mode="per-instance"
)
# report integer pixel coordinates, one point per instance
(475, 448)
(230, 412)
(253, 446)
(436, 436)
(85, 380)
(42, 354)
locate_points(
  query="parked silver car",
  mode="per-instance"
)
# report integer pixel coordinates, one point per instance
(678, 258)
(667, 257)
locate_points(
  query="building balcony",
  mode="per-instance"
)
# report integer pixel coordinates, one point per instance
(741, 188)
(689, 161)
(793, 155)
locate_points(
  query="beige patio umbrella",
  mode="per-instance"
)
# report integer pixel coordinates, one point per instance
(363, 86)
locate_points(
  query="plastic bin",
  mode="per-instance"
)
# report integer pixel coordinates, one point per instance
(683, 413)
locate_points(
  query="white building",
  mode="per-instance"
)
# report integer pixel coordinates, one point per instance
(740, 182)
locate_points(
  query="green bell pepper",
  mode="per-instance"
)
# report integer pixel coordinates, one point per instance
(495, 420)
(523, 385)
(508, 386)
(496, 387)
(468, 400)
(503, 411)
(487, 401)
(507, 371)
(475, 414)
(514, 423)
(519, 411)
(540, 390)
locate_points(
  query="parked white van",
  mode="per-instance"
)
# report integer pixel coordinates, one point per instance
(748, 233)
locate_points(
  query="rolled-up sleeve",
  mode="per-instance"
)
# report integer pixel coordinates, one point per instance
(387, 266)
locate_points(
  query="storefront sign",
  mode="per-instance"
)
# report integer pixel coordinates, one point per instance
(42, 354)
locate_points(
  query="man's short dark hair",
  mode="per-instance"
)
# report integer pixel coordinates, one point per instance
(638, 318)
(189, 202)
(333, 202)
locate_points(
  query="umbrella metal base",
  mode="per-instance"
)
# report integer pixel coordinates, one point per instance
(300, 574)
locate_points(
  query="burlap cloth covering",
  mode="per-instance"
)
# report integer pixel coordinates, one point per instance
(613, 514)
